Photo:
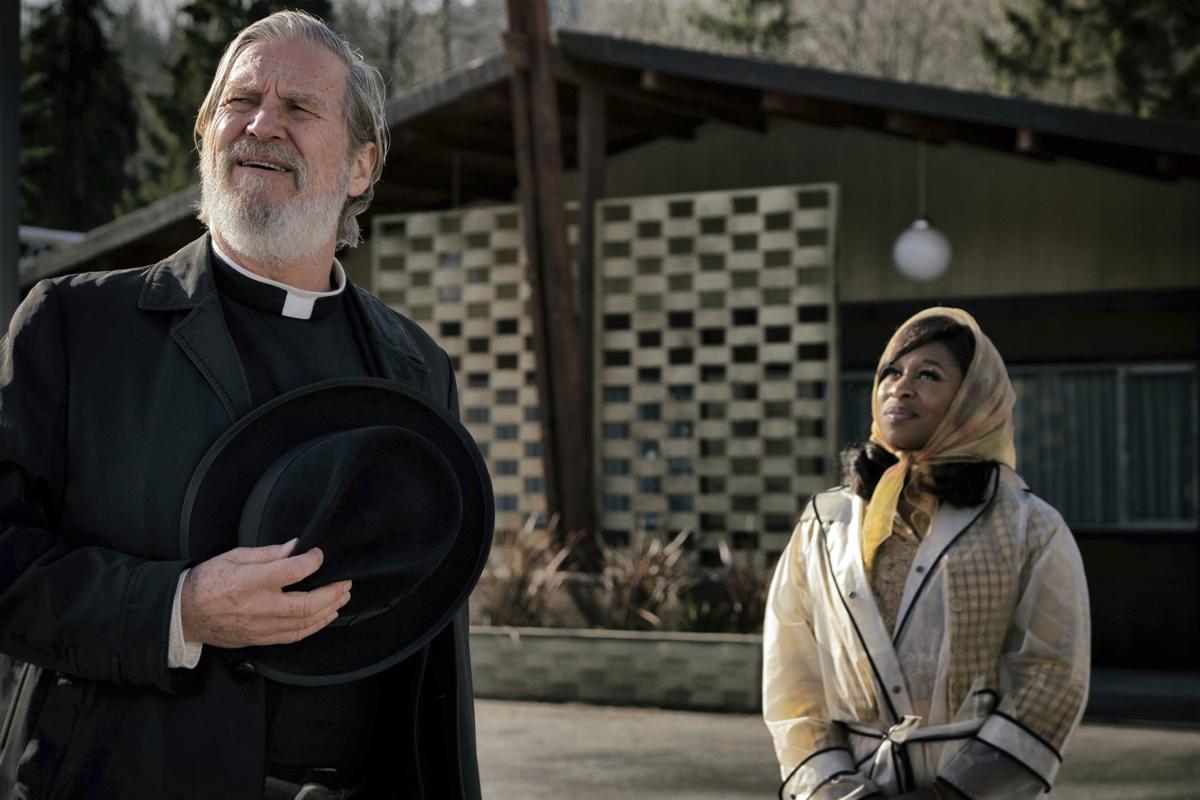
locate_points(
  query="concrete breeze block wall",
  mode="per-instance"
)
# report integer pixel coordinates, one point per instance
(712, 672)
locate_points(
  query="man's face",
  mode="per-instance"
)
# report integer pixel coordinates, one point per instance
(277, 167)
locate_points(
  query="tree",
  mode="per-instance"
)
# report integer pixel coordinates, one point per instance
(756, 27)
(78, 126)
(1138, 57)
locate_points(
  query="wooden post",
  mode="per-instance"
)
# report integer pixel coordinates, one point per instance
(10, 155)
(563, 385)
(592, 141)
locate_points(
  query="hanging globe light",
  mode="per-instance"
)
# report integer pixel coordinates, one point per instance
(921, 251)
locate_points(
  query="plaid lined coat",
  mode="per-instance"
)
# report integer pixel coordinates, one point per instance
(981, 683)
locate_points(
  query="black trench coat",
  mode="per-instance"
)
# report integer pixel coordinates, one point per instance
(112, 387)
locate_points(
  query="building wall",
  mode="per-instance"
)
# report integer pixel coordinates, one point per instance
(1017, 225)
(717, 369)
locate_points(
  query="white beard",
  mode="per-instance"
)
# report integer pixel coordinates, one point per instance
(273, 234)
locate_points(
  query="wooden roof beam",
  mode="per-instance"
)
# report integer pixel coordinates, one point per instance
(437, 175)
(493, 140)
(624, 119)
(740, 103)
(819, 111)
(919, 126)
(470, 160)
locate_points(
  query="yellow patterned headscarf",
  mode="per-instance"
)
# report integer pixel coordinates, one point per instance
(978, 426)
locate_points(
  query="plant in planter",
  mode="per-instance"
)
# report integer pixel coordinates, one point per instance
(523, 580)
(731, 599)
(640, 585)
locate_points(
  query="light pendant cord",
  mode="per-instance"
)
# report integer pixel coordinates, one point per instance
(921, 178)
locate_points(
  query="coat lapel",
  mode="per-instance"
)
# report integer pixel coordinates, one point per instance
(849, 574)
(947, 525)
(183, 283)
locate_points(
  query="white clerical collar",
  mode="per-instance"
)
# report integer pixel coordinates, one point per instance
(292, 302)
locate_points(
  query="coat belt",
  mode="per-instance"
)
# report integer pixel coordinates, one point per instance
(892, 740)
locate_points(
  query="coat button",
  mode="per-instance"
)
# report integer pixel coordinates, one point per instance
(957, 604)
(853, 595)
(244, 669)
(920, 569)
(895, 690)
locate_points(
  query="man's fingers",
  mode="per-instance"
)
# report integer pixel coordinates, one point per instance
(309, 606)
(293, 569)
(262, 555)
(303, 632)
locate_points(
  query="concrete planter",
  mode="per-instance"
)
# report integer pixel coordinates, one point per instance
(692, 671)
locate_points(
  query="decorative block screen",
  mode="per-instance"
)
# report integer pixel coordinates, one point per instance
(716, 367)
(461, 276)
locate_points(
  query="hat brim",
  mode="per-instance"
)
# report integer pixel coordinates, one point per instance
(223, 480)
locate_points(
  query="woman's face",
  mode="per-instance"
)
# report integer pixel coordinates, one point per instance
(915, 391)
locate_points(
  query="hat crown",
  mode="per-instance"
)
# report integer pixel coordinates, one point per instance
(381, 502)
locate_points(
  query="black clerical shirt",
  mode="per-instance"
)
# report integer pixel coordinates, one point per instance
(286, 340)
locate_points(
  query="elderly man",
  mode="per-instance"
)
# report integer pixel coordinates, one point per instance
(113, 675)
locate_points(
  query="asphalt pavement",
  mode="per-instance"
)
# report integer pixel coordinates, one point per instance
(543, 751)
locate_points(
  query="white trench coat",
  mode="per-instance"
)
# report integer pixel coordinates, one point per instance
(982, 682)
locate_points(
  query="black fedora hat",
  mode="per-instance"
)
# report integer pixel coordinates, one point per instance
(392, 489)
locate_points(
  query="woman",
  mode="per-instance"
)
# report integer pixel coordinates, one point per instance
(927, 629)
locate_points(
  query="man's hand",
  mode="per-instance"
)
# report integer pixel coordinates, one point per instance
(236, 599)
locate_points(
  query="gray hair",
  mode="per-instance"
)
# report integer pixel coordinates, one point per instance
(362, 103)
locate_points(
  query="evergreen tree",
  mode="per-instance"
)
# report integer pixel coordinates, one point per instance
(756, 27)
(78, 126)
(1137, 57)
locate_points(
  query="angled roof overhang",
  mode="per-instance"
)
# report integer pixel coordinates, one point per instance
(452, 138)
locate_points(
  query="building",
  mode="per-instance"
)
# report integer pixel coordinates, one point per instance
(1075, 245)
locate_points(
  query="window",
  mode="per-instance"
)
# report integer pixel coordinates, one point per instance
(506, 397)
(649, 375)
(478, 414)
(649, 338)
(616, 502)
(506, 502)
(679, 429)
(680, 465)
(679, 502)
(616, 394)
(615, 430)
(616, 466)
(616, 322)
(506, 466)
(533, 449)
(506, 431)
(616, 358)
(649, 411)
(1108, 445)
(534, 485)
(649, 484)
(680, 392)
